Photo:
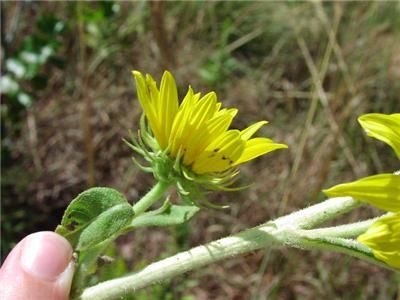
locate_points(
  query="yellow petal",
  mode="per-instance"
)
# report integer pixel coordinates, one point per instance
(383, 127)
(251, 130)
(189, 100)
(383, 237)
(183, 129)
(382, 191)
(230, 111)
(219, 123)
(220, 154)
(257, 147)
(197, 135)
(168, 106)
(153, 91)
(148, 103)
(142, 91)
(203, 137)
(204, 109)
(180, 123)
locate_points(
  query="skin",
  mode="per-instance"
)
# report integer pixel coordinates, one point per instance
(39, 267)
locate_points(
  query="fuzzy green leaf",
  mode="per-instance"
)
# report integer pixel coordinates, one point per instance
(85, 208)
(382, 191)
(105, 226)
(171, 215)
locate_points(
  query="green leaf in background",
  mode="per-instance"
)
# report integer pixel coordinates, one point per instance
(171, 215)
(385, 128)
(382, 191)
(105, 226)
(39, 82)
(50, 25)
(85, 208)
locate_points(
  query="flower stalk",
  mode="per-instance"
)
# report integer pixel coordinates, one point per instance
(151, 197)
(285, 231)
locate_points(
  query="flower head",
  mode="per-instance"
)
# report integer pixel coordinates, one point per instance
(382, 191)
(383, 237)
(194, 135)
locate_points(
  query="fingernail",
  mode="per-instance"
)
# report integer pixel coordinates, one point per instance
(45, 255)
(65, 279)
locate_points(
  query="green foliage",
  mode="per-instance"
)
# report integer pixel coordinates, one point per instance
(100, 28)
(36, 50)
(91, 222)
(274, 82)
(87, 264)
(96, 217)
(169, 215)
(105, 226)
(85, 209)
(221, 63)
(23, 77)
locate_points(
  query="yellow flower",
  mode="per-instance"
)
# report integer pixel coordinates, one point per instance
(382, 191)
(383, 127)
(383, 237)
(196, 132)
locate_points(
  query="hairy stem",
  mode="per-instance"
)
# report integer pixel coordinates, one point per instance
(301, 239)
(316, 214)
(272, 234)
(151, 197)
(342, 231)
(185, 261)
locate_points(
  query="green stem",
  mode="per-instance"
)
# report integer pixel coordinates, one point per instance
(178, 264)
(301, 239)
(151, 197)
(282, 231)
(342, 231)
(316, 214)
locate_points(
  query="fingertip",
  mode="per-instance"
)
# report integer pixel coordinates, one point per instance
(45, 255)
(64, 281)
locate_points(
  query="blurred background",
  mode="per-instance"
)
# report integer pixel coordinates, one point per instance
(311, 69)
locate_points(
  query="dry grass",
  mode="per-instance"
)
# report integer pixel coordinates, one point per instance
(308, 68)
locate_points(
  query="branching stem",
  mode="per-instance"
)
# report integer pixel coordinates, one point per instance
(285, 231)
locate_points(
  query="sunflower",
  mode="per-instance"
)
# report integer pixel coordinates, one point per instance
(381, 191)
(198, 129)
(193, 135)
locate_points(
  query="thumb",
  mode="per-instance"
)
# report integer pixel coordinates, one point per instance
(39, 267)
